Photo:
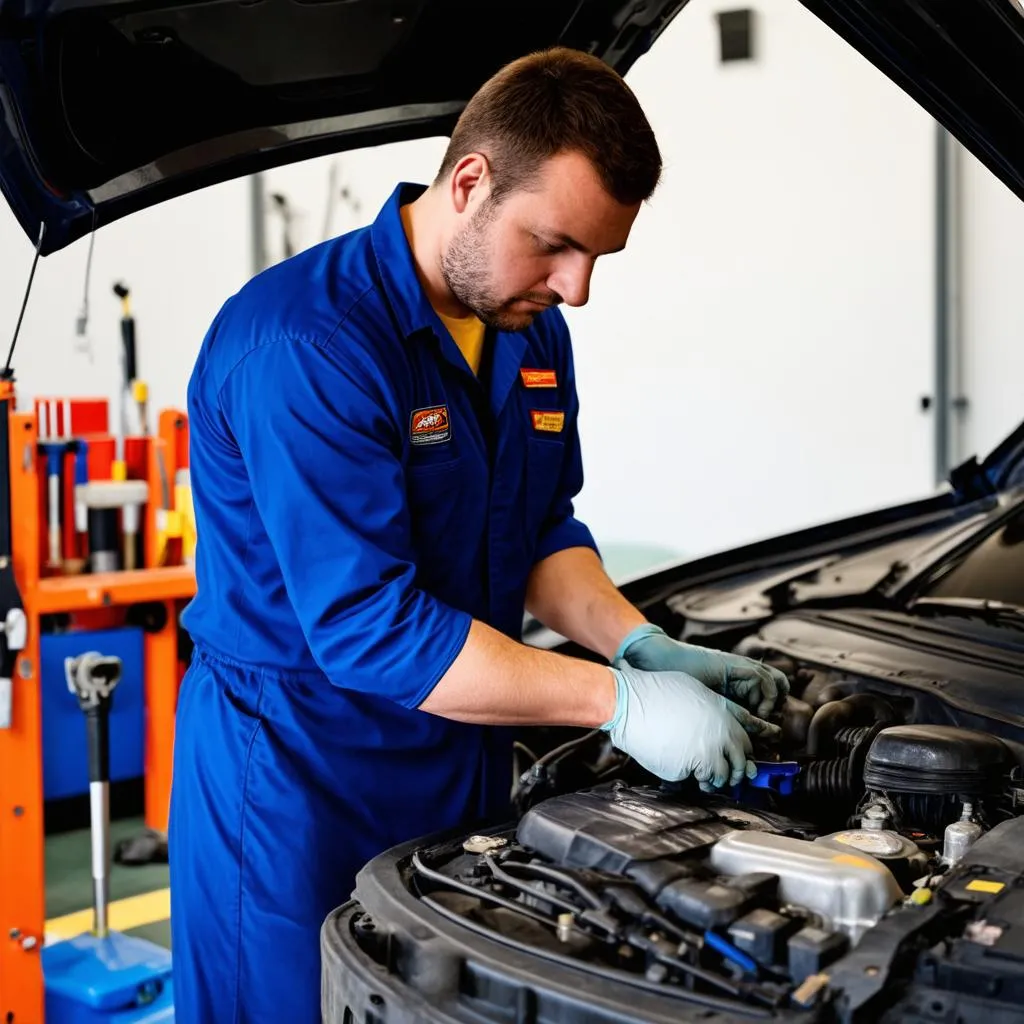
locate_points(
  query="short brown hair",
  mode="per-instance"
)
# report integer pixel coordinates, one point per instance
(554, 101)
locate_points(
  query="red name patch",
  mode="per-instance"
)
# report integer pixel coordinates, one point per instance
(430, 426)
(539, 378)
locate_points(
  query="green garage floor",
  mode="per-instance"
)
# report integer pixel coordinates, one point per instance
(69, 886)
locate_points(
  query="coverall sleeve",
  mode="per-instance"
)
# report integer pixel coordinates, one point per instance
(321, 451)
(562, 529)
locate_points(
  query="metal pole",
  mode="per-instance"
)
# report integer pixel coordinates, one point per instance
(942, 239)
(97, 723)
(950, 400)
(258, 222)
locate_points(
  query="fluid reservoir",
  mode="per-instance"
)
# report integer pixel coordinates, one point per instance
(959, 837)
(900, 855)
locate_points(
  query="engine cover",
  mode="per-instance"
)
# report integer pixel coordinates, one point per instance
(709, 864)
(612, 828)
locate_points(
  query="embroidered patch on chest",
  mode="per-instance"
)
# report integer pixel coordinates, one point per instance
(430, 426)
(539, 378)
(548, 420)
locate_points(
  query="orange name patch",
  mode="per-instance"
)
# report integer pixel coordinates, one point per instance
(430, 426)
(547, 420)
(539, 378)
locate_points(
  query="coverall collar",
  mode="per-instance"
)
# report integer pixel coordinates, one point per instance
(402, 286)
(412, 308)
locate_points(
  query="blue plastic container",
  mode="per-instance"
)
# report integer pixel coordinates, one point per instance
(119, 979)
(65, 757)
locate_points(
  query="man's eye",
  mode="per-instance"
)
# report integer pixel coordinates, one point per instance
(548, 248)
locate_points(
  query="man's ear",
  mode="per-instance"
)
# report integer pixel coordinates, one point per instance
(470, 182)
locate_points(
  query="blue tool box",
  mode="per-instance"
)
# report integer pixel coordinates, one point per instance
(65, 760)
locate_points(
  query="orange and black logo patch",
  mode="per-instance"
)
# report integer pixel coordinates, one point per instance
(539, 378)
(430, 426)
(548, 420)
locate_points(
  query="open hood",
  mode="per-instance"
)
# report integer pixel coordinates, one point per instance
(111, 106)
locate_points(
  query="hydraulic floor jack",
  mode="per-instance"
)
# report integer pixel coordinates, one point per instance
(104, 976)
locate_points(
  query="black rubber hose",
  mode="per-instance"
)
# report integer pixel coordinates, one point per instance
(557, 877)
(480, 894)
(842, 778)
(857, 709)
(529, 890)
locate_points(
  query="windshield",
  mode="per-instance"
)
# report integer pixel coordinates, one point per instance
(993, 571)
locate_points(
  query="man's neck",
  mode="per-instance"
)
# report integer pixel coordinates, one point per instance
(422, 222)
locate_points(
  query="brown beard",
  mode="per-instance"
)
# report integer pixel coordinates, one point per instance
(465, 266)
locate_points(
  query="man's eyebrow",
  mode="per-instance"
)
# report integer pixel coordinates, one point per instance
(579, 246)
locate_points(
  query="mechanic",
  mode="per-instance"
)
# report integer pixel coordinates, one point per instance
(384, 456)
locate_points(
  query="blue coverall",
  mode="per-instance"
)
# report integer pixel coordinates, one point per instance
(360, 496)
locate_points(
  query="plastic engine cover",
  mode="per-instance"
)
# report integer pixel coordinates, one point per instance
(852, 891)
(611, 828)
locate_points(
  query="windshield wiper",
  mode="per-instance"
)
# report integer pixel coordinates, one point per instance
(993, 613)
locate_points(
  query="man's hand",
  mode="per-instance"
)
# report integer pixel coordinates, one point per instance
(747, 682)
(675, 727)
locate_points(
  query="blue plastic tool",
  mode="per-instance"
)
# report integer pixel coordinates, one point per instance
(81, 478)
(774, 776)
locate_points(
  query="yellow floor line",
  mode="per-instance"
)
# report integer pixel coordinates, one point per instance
(123, 915)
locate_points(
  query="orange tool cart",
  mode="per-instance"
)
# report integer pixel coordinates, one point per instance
(91, 538)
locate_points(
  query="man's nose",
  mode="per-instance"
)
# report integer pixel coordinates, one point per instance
(572, 280)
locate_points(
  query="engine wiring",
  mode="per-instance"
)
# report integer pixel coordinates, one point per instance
(649, 937)
(603, 971)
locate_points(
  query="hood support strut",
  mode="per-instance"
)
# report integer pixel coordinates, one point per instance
(950, 401)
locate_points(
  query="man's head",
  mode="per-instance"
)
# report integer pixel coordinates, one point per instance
(546, 170)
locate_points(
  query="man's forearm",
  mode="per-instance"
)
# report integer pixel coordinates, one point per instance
(496, 681)
(571, 593)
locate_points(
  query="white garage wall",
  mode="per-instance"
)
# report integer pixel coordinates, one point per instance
(180, 260)
(992, 316)
(755, 363)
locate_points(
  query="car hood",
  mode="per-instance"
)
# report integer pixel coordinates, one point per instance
(112, 106)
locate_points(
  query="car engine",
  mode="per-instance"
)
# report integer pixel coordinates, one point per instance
(734, 895)
(872, 870)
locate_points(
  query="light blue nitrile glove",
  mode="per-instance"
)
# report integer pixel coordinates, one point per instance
(755, 686)
(674, 726)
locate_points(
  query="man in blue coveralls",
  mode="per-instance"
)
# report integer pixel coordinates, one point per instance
(384, 460)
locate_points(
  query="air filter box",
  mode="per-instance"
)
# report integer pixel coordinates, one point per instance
(940, 760)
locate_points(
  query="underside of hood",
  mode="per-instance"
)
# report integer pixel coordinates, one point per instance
(110, 107)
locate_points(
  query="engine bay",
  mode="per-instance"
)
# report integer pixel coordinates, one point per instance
(872, 870)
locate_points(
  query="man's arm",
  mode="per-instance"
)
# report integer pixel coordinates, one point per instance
(571, 593)
(496, 681)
